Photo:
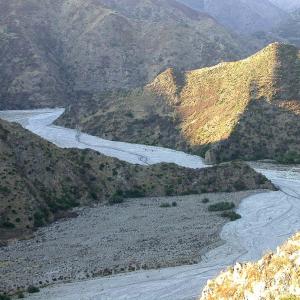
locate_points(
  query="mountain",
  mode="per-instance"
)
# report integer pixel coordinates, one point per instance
(241, 16)
(41, 182)
(289, 29)
(275, 276)
(247, 109)
(289, 5)
(51, 51)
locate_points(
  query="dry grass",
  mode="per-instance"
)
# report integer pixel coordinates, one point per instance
(276, 276)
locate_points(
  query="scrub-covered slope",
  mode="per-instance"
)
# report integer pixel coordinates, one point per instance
(52, 50)
(248, 109)
(242, 16)
(275, 276)
(40, 182)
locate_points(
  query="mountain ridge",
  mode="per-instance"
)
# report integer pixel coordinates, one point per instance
(210, 108)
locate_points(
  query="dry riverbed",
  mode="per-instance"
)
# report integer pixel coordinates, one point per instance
(104, 240)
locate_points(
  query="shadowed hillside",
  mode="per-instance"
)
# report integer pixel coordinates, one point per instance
(40, 182)
(247, 109)
(52, 50)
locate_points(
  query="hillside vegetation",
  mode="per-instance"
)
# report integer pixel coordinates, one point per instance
(51, 51)
(40, 182)
(274, 277)
(247, 109)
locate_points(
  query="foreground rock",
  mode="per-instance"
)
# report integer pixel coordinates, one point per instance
(41, 182)
(275, 276)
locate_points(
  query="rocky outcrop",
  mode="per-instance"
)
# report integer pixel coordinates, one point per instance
(275, 276)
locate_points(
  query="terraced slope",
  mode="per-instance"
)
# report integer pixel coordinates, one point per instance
(40, 182)
(275, 276)
(51, 51)
(247, 109)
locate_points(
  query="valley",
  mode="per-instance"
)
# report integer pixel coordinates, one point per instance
(268, 219)
(261, 215)
(150, 149)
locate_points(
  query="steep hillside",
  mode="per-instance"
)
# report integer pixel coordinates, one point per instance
(242, 16)
(247, 109)
(275, 276)
(53, 50)
(40, 182)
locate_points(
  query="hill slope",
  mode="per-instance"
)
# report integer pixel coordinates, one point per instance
(241, 109)
(275, 276)
(242, 16)
(287, 5)
(40, 182)
(53, 50)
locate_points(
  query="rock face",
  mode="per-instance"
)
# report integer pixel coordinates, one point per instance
(53, 50)
(242, 109)
(275, 276)
(40, 182)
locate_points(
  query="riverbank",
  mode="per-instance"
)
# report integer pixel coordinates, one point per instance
(105, 240)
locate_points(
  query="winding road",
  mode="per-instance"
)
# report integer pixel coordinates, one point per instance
(268, 219)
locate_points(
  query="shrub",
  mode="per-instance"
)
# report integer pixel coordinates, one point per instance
(21, 295)
(32, 289)
(165, 205)
(4, 297)
(205, 200)
(136, 193)
(174, 203)
(4, 190)
(116, 199)
(8, 225)
(221, 206)
(231, 215)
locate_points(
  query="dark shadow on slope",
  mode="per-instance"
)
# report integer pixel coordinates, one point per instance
(265, 131)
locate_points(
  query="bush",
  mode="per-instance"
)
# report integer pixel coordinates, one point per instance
(116, 199)
(21, 295)
(205, 200)
(174, 204)
(221, 206)
(165, 205)
(32, 289)
(4, 297)
(8, 225)
(231, 215)
(290, 157)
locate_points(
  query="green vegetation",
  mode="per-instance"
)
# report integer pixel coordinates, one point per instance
(4, 297)
(165, 205)
(21, 295)
(290, 157)
(8, 225)
(205, 200)
(221, 206)
(231, 215)
(32, 289)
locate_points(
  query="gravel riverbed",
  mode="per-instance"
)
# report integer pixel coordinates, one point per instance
(104, 240)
